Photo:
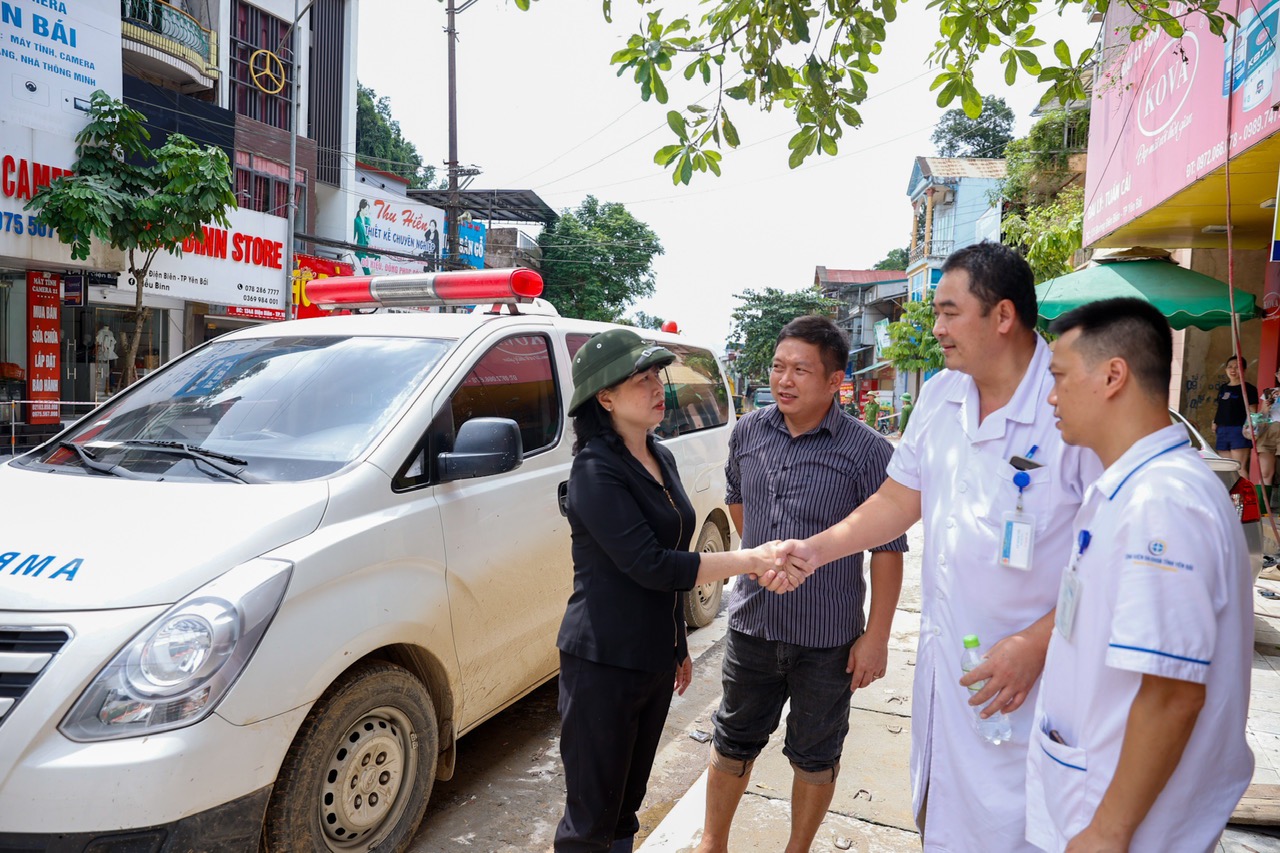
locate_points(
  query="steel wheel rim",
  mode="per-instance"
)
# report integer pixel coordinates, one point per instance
(370, 770)
(706, 592)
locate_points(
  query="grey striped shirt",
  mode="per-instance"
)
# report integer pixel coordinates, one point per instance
(791, 488)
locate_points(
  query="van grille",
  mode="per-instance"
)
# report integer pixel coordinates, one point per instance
(24, 654)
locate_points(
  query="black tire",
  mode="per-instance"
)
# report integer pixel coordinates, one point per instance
(702, 603)
(360, 770)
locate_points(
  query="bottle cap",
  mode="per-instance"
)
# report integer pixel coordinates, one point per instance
(971, 641)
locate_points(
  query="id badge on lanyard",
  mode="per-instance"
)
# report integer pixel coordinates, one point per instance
(1018, 532)
(1064, 617)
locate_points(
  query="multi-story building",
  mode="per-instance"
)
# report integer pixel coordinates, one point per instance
(955, 202)
(869, 301)
(221, 72)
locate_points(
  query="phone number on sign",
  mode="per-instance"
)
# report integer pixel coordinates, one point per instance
(18, 223)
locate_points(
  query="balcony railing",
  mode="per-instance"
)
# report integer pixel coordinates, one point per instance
(173, 24)
(932, 249)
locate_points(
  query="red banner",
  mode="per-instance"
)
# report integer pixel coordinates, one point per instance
(255, 313)
(44, 297)
(308, 268)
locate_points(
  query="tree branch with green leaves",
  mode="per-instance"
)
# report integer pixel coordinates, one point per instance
(134, 199)
(815, 58)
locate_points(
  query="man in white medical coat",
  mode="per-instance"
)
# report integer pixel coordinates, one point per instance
(1139, 735)
(983, 464)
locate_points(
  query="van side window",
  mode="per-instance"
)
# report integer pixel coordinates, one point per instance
(513, 380)
(696, 395)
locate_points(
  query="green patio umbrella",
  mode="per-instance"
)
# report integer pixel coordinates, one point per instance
(1186, 298)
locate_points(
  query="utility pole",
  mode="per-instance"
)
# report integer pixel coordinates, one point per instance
(452, 209)
(292, 209)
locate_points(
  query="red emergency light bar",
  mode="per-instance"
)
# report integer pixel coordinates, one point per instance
(462, 287)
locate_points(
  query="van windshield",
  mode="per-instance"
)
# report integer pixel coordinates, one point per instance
(258, 410)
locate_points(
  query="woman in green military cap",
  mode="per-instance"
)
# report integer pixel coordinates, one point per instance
(622, 641)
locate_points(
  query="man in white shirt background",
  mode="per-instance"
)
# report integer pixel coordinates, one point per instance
(1139, 736)
(958, 467)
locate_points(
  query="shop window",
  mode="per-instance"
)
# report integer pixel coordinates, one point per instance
(112, 329)
(253, 30)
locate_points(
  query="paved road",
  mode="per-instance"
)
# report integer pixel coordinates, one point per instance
(508, 792)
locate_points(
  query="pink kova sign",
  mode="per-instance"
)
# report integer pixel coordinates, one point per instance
(1159, 122)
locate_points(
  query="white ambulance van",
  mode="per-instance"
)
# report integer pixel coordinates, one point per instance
(253, 601)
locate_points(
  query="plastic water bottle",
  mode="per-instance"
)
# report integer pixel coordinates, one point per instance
(996, 728)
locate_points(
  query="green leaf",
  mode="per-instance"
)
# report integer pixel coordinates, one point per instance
(1010, 71)
(1169, 24)
(948, 93)
(730, 132)
(677, 124)
(659, 89)
(686, 170)
(666, 154)
(970, 100)
(1061, 51)
(796, 158)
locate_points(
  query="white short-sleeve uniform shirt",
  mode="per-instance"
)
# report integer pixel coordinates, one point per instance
(1164, 588)
(976, 791)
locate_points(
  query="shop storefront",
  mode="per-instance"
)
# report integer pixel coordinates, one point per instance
(37, 146)
(1167, 116)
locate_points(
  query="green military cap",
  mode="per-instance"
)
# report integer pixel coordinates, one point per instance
(610, 357)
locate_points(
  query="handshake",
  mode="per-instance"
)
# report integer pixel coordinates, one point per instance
(782, 565)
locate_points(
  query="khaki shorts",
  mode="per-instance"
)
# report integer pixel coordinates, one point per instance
(1268, 440)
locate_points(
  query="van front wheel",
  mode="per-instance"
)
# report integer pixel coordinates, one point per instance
(702, 603)
(360, 771)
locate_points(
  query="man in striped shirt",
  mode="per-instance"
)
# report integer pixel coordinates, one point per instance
(795, 468)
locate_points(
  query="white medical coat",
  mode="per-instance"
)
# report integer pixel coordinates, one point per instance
(976, 791)
(1165, 589)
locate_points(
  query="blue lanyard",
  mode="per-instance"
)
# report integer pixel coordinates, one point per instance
(1022, 479)
(1082, 545)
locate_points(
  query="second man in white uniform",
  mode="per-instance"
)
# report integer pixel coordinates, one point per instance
(1139, 735)
(953, 468)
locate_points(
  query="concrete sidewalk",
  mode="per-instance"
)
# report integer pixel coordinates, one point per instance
(871, 810)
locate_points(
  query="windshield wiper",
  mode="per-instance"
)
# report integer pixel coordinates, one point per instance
(228, 466)
(91, 462)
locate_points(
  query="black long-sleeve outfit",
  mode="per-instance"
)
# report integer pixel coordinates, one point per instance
(622, 636)
(629, 559)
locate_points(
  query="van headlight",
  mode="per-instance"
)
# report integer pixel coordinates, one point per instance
(179, 667)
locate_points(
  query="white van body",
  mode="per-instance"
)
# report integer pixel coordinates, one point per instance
(371, 598)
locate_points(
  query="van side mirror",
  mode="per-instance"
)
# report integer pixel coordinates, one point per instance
(484, 446)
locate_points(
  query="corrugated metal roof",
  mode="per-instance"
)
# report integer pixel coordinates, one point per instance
(961, 167)
(500, 205)
(825, 277)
